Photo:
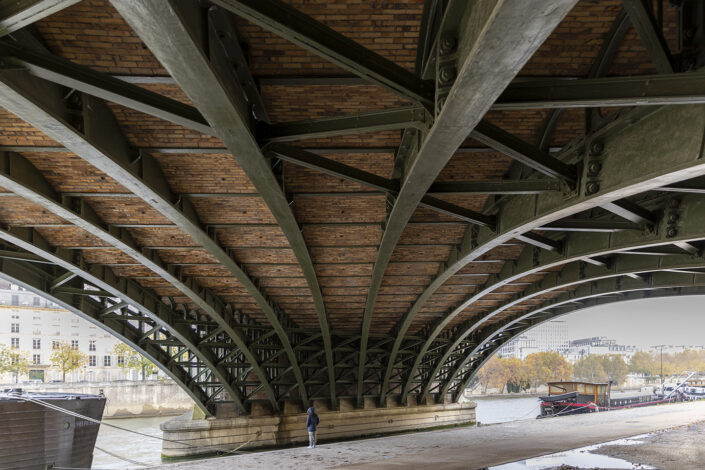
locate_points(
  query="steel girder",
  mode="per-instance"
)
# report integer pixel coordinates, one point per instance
(289, 23)
(491, 32)
(98, 140)
(129, 293)
(331, 167)
(23, 179)
(682, 88)
(603, 292)
(209, 79)
(642, 17)
(629, 161)
(574, 274)
(38, 280)
(18, 14)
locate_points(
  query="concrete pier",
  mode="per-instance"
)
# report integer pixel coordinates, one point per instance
(269, 430)
(466, 448)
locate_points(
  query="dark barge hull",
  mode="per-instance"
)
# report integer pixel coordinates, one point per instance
(552, 407)
(35, 437)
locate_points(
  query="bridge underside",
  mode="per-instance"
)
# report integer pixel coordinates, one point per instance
(301, 200)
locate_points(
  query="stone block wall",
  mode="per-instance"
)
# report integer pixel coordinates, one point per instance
(204, 436)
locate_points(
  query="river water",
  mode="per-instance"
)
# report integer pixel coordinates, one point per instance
(148, 451)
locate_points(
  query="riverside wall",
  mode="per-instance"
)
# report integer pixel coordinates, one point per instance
(126, 398)
(206, 436)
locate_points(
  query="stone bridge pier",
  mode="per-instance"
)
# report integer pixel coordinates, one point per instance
(264, 429)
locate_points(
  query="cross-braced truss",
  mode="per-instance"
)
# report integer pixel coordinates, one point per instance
(297, 201)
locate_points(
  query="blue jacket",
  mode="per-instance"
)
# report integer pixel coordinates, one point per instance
(312, 420)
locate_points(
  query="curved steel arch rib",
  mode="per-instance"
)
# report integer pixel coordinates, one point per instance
(574, 274)
(607, 291)
(28, 276)
(128, 292)
(19, 176)
(503, 34)
(102, 145)
(209, 80)
(632, 162)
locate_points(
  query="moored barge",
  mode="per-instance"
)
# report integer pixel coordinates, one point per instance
(37, 435)
(566, 398)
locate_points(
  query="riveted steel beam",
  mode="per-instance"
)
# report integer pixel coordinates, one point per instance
(126, 290)
(590, 225)
(417, 117)
(97, 139)
(626, 169)
(207, 76)
(22, 274)
(631, 211)
(471, 36)
(606, 291)
(582, 250)
(78, 77)
(644, 22)
(531, 156)
(17, 14)
(649, 90)
(573, 274)
(310, 160)
(22, 178)
(289, 23)
(495, 187)
(373, 121)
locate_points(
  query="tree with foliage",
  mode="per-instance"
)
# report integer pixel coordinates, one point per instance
(132, 360)
(590, 368)
(14, 362)
(67, 358)
(615, 368)
(544, 367)
(519, 376)
(644, 363)
(494, 374)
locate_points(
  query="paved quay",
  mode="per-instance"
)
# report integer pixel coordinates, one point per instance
(466, 448)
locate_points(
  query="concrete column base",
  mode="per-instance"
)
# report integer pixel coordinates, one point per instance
(250, 432)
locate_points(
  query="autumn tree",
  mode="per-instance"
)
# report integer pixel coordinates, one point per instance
(590, 368)
(132, 360)
(14, 362)
(644, 363)
(519, 376)
(544, 367)
(615, 368)
(67, 358)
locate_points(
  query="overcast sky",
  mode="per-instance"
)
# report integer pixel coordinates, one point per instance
(644, 323)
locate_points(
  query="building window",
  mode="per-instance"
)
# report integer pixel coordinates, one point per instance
(15, 317)
(120, 360)
(36, 359)
(54, 345)
(15, 343)
(15, 328)
(91, 345)
(106, 361)
(74, 344)
(36, 301)
(15, 299)
(91, 361)
(36, 343)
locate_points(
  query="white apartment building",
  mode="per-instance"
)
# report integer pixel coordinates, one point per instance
(31, 324)
(549, 336)
(597, 345)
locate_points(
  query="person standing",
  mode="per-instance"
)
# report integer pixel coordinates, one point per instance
(311, 424)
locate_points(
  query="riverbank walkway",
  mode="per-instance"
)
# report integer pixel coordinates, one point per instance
(466, 448)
